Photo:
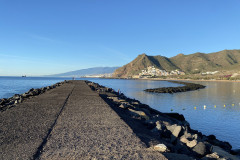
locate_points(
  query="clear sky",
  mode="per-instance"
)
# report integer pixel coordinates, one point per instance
(41, 37)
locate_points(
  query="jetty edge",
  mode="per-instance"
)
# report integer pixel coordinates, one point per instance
(52, 125)
(187, 87)
(170, 131)
(68, 122)
(6, 103)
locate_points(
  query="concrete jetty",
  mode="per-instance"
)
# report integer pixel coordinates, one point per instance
(68, 122)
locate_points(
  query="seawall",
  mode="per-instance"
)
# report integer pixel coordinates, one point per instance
(68, 122)
(84, 120)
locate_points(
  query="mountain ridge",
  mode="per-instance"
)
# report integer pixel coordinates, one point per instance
(86, 72)
(196, 62)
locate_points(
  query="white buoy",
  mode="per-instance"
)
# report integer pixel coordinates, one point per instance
(204, 106)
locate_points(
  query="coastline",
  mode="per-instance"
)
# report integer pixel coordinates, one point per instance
(173, 79)
(170, 129)
(168, 133)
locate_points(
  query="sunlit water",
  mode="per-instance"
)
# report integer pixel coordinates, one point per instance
(215, 119)
(224, 122)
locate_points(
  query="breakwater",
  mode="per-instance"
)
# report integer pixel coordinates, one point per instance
(187, 87)
(169, 130)
(74, 122)
(6, 103)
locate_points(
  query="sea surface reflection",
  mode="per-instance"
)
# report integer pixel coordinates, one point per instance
(215, 119)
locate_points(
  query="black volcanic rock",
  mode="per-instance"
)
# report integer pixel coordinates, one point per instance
(185, 88)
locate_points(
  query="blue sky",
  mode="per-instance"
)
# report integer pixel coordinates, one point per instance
(41, 37)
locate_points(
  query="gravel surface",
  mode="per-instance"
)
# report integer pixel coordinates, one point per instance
(69, 122)
(23, 128)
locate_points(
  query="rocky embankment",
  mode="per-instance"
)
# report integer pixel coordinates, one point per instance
(187, 87)
(6, 103)
(168, 133)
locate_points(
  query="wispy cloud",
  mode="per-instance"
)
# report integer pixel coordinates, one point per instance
(43, 38)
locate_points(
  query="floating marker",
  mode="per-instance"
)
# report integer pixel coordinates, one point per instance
(224, 105)
(215, 106)
(232, 104)
(204, 106)
(195, 107)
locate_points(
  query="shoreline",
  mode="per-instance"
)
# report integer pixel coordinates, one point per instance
(171, 129)
(168, 133)
(173, 79)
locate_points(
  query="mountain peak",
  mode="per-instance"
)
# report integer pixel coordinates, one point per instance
(180, 54)
(222, 60)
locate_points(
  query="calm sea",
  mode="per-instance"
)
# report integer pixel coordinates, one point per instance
(222, 100)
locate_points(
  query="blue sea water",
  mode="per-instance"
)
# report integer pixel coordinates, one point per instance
(215, 119)
(18, 85)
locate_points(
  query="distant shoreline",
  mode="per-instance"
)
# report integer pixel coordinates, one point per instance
(174, 79)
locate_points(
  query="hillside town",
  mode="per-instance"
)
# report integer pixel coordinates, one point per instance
(151, 71)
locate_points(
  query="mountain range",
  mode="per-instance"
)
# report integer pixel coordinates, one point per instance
(192, 63)
(87, 72)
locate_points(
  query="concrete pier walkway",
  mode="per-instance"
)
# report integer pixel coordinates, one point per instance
(69, 122)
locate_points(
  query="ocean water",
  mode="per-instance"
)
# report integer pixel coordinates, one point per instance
(18, 85)
(222, 100)
(215, 119)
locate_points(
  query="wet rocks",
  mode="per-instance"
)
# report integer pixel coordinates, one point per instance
(187, 87)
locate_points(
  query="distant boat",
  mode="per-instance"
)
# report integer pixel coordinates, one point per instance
(24, 76)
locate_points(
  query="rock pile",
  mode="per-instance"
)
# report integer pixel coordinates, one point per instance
(170, 128)
(6, 103)
(185, 88)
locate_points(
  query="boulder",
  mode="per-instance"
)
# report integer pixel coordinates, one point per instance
(16, 97)
(175, 130)
(223, 153)
(115, 99)
(183, 139)
(200, 149)
(158, 125)
(211, 156)
(3, 101)
(139, 113)
(124, 106)
(177, 116)
(160, 147)
(190, 144)
(150, 124)
(235, 152)
(179, 147)
(25, 95)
